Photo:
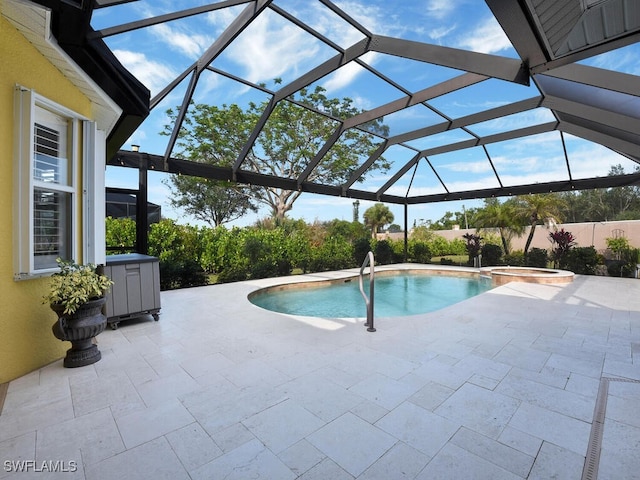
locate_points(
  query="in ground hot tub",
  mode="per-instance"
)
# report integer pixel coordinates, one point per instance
(503, 275)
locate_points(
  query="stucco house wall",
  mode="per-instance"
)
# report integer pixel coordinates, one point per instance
(586, 233)
(25, 323)
(42, 81)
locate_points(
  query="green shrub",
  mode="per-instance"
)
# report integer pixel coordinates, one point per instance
(120, 234)
(439, 246)
(361, 247)
(180, 274)
(582, 260)
(232, 273)
(615, 268)
(383, 252)
(537, 257)
(398, 251)
(420, 252)
(334, 253)
(457, 246)
(491, 254)
(178, 247)
(515, 259)
(626, 265)
(618, 245)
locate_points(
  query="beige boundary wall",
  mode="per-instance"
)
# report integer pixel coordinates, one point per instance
(587, 234)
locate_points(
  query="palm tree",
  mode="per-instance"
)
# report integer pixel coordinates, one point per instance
(535, 209)
(502, 216)
(376, 217)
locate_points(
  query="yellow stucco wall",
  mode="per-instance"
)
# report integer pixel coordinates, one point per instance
(26, 340)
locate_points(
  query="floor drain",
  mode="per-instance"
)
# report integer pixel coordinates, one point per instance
(592, 460)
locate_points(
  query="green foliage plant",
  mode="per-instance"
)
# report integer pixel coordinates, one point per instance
(617, 245)
(75, 285)
(563, 241)
(582, 260)
(473, 245)
(625, 266)
(179, 249)
(514, 258)
(334, 253)
(419, 252)
(383, 252)
(120, 234)
(361, 247)
(537, 257)
(491, 254)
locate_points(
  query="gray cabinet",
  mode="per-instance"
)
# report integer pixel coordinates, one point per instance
(136, 288)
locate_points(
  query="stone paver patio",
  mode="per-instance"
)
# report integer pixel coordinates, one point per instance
(501, 386)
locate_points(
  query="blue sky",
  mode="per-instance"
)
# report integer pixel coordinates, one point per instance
(273, 47)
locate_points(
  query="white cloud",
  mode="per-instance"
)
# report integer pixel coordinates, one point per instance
(537, 116)
(370, 16)
(342, 77)
(189, 44)
(154, 75)
(488, 37)
(623, 60)
(472, 167)
(440, 9)
(328, 24)
(441, 32)
(270, 48)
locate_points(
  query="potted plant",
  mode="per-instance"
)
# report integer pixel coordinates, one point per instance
(77, 295)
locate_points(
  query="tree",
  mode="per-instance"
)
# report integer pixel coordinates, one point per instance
(563, 241)
(502, 216)
(463, 219)
(288, 143)
(473, 245)
(377, 216)
(603, 204)
(214, 202)
(536, 208)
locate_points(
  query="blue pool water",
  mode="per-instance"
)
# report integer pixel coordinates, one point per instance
(395, 295)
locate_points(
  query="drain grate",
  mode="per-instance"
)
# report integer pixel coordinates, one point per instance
(592, 460)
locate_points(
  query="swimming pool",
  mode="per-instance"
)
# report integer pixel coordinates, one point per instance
(395, 295)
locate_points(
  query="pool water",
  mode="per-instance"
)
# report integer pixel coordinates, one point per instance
(395, 295)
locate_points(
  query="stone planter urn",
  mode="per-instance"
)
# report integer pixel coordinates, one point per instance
(80, 328)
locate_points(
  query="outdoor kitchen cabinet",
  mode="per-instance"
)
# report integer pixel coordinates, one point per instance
(136, 287)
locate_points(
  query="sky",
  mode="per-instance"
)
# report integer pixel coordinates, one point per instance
(273, 47)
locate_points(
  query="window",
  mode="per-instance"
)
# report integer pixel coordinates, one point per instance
(49, 141)
(53, 189)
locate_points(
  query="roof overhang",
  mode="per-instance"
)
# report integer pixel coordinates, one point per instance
(59, 30)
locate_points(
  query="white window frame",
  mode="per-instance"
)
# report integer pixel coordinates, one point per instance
(89, 187)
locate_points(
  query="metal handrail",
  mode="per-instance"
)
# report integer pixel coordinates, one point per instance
(369, 260)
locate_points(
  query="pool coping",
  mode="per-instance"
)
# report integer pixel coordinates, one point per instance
(307, 280)
(317, 279)
(501, 275)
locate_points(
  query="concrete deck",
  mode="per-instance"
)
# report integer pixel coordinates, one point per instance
(501, 386)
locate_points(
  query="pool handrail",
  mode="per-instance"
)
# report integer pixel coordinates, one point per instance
(369, 260)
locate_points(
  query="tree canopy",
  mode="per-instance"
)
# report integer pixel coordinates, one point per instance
(502, 216)
(287, 145)
(535, 209)
(213, 202)
(377, 216)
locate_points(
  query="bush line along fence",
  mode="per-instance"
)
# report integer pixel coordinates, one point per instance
(192, 255)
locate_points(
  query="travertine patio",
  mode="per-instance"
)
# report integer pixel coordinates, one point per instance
(501, 386)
